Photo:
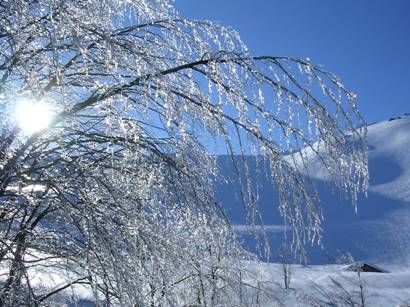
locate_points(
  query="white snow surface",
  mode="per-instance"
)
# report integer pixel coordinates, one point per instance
(389, 145)
(389, 159)
(263, 286)
(379, 289)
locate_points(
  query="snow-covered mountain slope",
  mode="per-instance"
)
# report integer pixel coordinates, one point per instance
(379, 232)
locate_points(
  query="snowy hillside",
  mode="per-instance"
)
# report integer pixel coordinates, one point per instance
(378, 233)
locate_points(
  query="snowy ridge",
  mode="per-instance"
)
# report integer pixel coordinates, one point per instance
(379, 232)
(390, 158)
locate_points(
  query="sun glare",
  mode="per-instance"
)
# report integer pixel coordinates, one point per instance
(33, 116)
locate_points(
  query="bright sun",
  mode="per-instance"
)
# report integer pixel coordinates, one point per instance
(33, 116)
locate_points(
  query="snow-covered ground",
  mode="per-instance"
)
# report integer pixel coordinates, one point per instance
(317, 285)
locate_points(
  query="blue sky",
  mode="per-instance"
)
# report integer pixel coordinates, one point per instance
(365, 42)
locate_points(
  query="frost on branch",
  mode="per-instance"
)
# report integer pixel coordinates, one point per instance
(118, 190)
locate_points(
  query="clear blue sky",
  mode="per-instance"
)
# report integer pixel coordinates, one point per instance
(365, 42)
